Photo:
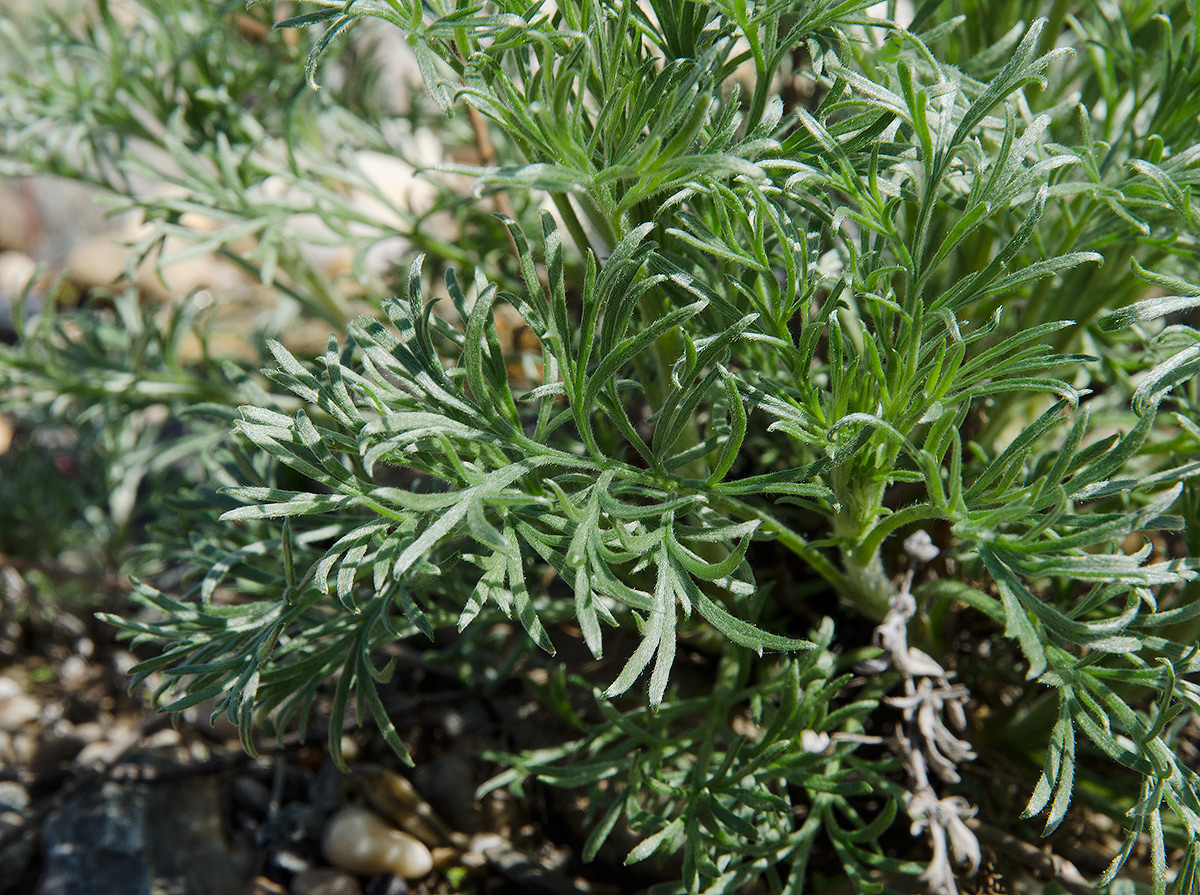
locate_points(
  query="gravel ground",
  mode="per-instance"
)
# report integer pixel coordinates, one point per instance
(98, 793)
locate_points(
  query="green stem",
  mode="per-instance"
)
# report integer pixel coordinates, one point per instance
(574, 225)
(871, 589)
(862, 592)
(870, 544)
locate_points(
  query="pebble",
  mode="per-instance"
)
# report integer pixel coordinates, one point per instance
(167, 739)
(252, 795)
(324, 881)
(13, 798)
(17, 710)
(481, 842)
(90, 731)
(398, 801)
(17, 749)
(472, 857)
(360, 841)
(289, 836)
(73, 671)
(297, 822)
(96, 753)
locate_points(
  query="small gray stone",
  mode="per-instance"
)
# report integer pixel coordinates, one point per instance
(252, 795)
(298, 822)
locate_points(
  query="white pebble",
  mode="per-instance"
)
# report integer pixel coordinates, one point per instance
(359, 841)
(17, 711)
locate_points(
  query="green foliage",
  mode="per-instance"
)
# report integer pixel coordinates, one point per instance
(811, 282)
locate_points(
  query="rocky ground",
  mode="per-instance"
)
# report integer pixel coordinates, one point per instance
(99, 794)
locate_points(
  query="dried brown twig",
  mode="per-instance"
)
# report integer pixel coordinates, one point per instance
(1041, 861)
